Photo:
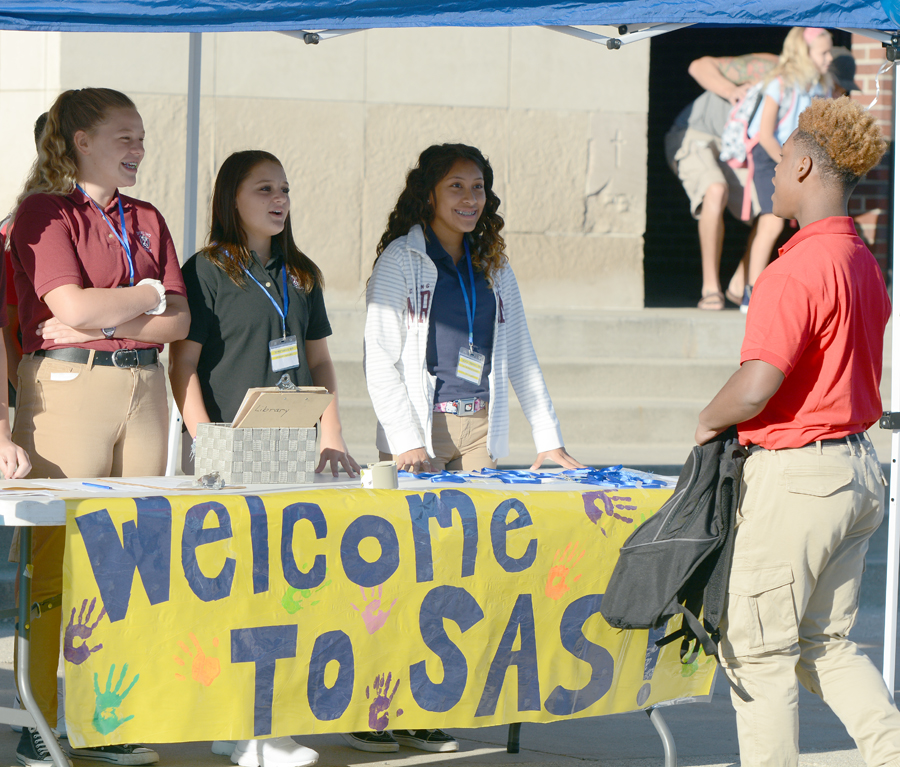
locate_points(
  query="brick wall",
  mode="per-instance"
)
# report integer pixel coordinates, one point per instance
(870, 203)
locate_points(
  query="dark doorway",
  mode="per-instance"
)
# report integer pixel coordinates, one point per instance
(671, 251)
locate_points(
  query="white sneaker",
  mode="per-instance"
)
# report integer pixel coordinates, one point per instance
(273, 752)
(223, 747)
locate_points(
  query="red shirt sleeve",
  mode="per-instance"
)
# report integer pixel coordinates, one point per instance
(169, 267)
(45, 245)
(780, 322)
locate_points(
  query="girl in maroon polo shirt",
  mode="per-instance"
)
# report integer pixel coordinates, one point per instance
(100, 291)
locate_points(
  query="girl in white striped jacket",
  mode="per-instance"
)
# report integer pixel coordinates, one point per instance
(445, 326)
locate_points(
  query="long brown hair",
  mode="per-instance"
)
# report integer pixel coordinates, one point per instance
(55, 171)
(227, 243)
(414, 205)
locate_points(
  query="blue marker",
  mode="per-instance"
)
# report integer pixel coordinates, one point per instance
(92, 484)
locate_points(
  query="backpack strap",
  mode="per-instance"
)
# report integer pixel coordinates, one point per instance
(747, 204)
(691, 629)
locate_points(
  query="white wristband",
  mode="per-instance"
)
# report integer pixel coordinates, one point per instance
(161, 306)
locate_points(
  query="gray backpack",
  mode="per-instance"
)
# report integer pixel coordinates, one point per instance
(678, 561)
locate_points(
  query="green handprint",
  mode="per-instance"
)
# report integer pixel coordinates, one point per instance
(106, 718)
(292, 601)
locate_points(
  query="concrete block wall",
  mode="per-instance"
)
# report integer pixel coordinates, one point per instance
(563, 122)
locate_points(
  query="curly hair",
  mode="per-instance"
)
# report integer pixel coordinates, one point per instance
(414, 205)
(227, 243)
(843, 139)
(55, 171)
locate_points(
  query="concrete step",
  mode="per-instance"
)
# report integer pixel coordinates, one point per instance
(657, 333)
(579, 378)
(604, 379)
(583, 421)
(602, 431)
(627, 386)
(654, 334)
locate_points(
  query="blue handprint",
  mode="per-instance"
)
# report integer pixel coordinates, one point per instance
(106, 718)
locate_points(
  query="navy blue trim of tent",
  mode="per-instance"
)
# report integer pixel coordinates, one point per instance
(283, 15)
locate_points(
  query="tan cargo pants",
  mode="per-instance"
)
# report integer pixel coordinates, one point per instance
(803, 527)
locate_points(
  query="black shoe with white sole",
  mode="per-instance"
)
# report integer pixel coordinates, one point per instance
(32, 750)
(426, 740)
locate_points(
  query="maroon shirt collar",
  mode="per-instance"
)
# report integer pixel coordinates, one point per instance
(80, 198)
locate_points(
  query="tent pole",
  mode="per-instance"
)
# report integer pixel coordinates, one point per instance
(193, 146)
(890, 607)
(614, 43)
(191, 160)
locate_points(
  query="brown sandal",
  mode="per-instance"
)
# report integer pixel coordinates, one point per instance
(712, 302)
(736, 300)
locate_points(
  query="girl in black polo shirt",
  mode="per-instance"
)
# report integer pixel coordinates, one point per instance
(249, 287)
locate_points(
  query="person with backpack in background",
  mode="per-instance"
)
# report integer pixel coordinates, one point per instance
(692, 147)
(801, 75)
(812, 487)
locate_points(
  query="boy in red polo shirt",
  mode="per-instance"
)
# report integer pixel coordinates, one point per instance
(812, 489)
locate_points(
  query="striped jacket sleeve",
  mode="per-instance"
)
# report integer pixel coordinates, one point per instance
(524, 371)
(385, 337)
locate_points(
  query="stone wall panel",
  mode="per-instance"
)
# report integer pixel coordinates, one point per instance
(576, 272)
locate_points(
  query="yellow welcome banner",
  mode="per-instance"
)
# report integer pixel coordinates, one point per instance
(232, 617)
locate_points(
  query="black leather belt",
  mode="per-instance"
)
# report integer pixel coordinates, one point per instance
(121, 358)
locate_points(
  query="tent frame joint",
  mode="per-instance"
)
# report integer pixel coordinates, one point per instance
(889, 420)
(891, 51)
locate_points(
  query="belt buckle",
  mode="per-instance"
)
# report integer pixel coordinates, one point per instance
(466, 406)
(125, 358)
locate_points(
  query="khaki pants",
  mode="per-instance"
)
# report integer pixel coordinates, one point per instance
(803, 527)
(459, 442)
(81, 421)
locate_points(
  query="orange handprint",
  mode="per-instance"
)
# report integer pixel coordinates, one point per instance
(556, 578)
(203, 669)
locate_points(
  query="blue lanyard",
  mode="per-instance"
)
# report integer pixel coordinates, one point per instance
(470, 309)
(122, 238)
(281, 313)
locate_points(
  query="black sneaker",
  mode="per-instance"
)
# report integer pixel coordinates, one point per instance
(126, 753)
(426, 740)
(378, 742)
(32, 750)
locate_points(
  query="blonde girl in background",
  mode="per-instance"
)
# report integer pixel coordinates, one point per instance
(800, 76)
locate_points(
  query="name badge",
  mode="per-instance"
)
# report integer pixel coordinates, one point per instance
(283, 352)
(470, 366)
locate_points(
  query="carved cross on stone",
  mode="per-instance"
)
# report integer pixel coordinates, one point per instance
(618, 142)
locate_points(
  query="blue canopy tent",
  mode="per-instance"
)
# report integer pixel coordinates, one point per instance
(291, 15)
(317, 20)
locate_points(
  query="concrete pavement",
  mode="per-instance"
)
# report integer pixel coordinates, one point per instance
(704, 734)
